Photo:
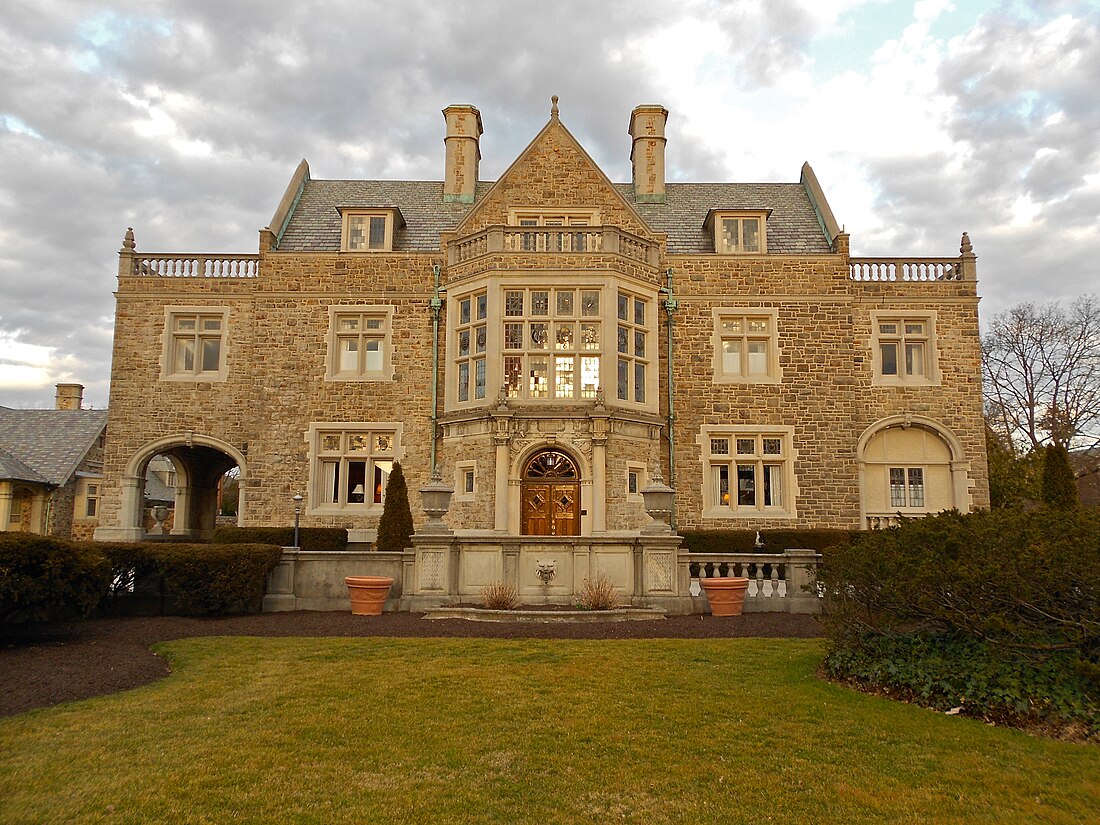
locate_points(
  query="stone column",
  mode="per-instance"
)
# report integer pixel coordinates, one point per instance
(801, 581)
(181, 519)
(601, 426)
(6, 495)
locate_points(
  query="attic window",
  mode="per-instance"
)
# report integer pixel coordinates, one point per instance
(740, 232)
(368, 230)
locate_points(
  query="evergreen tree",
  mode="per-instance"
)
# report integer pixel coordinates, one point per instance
(1059, 486)
(396, 527)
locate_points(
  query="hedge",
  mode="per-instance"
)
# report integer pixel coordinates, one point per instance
(775, 541)
(190, 578)
(945, 609)
(44, 578)
(310, 538)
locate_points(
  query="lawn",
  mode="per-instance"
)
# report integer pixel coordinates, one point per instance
(437, 731)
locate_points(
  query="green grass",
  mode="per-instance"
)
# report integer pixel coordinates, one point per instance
(437, 731)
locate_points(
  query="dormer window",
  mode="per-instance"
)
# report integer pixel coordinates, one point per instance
(368, 230)
(739, 232)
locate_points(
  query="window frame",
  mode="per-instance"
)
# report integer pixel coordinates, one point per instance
(366, 312)
(931, 374)
(639, 471)
(462, 468)
(717, 219)
(89, 490)
(724, 315)
(319, 456)
(348, 214)
(759, 460)
(172, 336)
(645, 359)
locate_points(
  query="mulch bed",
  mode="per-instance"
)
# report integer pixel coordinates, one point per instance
(49, 664)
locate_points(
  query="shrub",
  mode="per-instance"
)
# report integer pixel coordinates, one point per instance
(316, 539)
(500, 596)
(195, 578)
(44, 578)
(1059, 485)
(775, 541)
(597, 594)
(906, 604)
(395, 529)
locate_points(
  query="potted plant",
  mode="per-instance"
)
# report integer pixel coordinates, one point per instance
(368, 594)
(726, 595)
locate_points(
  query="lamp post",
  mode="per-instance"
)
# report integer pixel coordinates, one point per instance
(298, 499)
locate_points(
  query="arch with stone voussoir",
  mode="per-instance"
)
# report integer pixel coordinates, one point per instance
(517, 470)
(958, 463)
(200, 462)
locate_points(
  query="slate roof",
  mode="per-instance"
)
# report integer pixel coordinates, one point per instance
(314, 226)
(48, 443)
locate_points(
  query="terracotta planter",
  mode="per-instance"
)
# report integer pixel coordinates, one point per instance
(726, 596)
(368, 594)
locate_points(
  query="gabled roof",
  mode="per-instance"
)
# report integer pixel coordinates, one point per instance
(48, 443)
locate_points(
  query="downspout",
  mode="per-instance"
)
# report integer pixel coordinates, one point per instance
(671, 305)
(436, 304)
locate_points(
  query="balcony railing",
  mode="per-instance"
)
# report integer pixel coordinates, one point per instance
(778, 582)
(905, 269)
(195, 266)
(520, 240)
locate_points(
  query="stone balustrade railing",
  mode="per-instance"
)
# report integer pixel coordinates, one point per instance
(778, 582)
(194, 266)
(906, 269)
(881, 521)
(564, 239)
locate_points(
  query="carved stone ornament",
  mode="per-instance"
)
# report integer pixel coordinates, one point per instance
(546, 571)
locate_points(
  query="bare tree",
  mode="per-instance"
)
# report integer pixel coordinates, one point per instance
(1042, 374)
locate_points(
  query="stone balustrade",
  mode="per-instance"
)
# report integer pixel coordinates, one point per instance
(554, 240)
(906, 269)
(881, 521)
(778, 582)
(194, 266)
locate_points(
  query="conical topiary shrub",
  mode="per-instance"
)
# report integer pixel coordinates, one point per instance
(1059, 485)
(396, 527)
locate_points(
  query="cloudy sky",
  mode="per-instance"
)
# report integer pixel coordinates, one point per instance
(186, 119)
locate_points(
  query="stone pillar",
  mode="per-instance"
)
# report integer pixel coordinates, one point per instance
(601, 425)
(968, 261)
(131, 515)
(801, 581)
(463, 153)
(181, 519)
(6, 496)
(647, 152)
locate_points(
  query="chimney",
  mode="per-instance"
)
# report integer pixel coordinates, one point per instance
(647, 153)
(463, 153)
(69, 396)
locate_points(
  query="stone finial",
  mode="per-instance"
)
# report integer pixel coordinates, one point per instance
(965, 247)
(553, 107)
(128, 239)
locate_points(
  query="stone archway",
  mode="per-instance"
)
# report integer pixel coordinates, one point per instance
(200, 463)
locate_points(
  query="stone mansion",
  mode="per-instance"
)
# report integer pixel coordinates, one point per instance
(550, 342)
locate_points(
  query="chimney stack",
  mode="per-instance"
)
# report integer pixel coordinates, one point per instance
(69, 396)
(463, 153)
(647, 153)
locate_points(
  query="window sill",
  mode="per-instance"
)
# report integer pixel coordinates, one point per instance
(365, 377)
(198, 378)
(882, 381)
(722, 378)
(725, 513)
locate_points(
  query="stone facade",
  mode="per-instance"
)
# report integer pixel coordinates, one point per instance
(282, 400)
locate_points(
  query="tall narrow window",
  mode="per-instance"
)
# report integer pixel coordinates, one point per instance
(632, 347)
(907, 487)
(471, 342)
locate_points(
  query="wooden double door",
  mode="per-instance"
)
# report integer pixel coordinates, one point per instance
(551, 496)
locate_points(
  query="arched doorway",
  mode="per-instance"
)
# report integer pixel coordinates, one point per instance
(194, 470)
(550, 495)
